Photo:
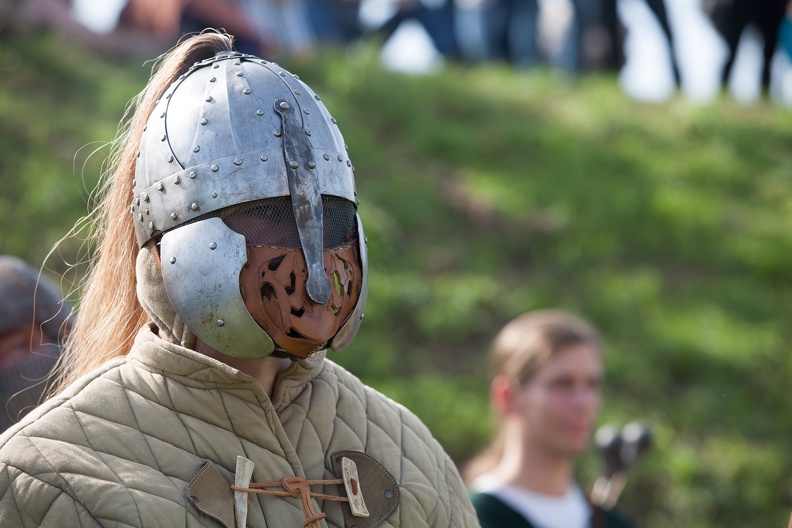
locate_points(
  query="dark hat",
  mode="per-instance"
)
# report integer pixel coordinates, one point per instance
(26, 297)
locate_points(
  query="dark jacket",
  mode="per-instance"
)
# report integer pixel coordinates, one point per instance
(494, 513)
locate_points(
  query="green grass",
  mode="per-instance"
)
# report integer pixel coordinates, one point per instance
(487, 192)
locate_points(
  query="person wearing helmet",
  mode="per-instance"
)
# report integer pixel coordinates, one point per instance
(194, 389)
(33, 320)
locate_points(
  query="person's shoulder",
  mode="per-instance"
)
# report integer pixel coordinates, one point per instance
(376, 405)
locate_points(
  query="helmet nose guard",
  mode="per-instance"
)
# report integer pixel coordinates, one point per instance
(306, 201)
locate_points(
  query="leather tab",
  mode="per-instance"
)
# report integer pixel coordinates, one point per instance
(211, 495)
(378, 487)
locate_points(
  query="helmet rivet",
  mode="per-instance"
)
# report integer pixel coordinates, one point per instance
(361, 315)
(237, 63)
(353, 168)
(176, 179)
(145, 127)
(307, 112)
(282, 74)
(238, 161)
(214, 195)
(208, 98)
(215, 66)
(365, 239)
(213, 79)
(168, 96)
(147, 212)
(132, 208)
(162, 115)
(349, 163)
(317, 97)
(246, 91)
(220, 322)
(284, 105)
(260, 112)
(293, 164)
(326, 157)
(192, 175)
(151, 225)
(170, 159)
(204, 120)
(311, 164)
(174, 216)
(194, 206)
(215, 168)
(160, 187)
(340, 157)
(140, 217)
(173, 260)
(263, 157)
(138, 154)
(134, 182)
(307, 132)
(297, 92)
(346, 147)
(296, 77)
(197, 148)
(137, 201)
(277, 133)
(164, 137)
(213, 245)
(238, 74)
(333, 119)
(145, 197)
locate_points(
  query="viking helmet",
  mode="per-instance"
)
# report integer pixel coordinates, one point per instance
(240, 157)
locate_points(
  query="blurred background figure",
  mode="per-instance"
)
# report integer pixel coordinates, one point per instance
(545, 390)
(34, 320)
(732, 17)
(335, 21)
(617, 32)
(434, 16)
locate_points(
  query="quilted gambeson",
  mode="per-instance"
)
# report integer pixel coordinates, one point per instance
(119, 447)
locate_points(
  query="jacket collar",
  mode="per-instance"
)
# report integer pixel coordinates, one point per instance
(194, 368)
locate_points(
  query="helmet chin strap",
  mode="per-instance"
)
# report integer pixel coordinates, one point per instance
(150, 292)
(304, 188)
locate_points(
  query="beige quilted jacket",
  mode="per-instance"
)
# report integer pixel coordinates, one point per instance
(120, 447)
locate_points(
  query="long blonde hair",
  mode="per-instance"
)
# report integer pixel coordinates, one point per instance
(520, 350)
(109, 313)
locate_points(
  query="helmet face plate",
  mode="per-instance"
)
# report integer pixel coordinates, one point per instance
(200, 268)
(236, 129)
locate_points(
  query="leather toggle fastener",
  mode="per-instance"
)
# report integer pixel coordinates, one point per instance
(371, 492)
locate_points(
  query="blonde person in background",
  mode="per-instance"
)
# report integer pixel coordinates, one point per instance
(545, 391)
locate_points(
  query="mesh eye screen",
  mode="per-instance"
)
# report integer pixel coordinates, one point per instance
(271, 222)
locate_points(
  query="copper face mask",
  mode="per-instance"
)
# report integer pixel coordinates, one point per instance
(273, 288)
(273, 282)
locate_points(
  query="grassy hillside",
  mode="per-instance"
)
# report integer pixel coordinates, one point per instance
(486, 193)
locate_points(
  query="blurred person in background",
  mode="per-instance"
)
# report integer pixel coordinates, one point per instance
(33, 321)
(194, 388)
(732, 17)
(436, 17)
(614, 56)
(547, 372)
